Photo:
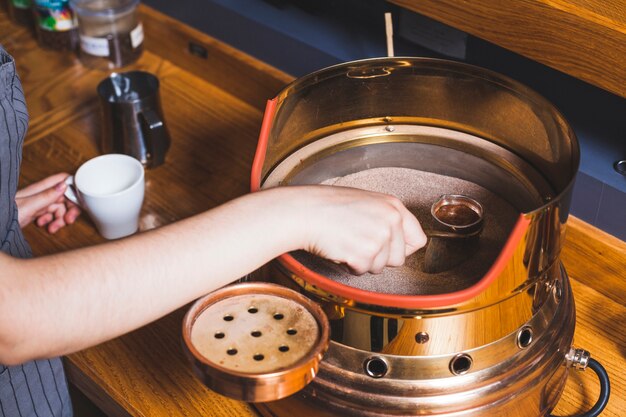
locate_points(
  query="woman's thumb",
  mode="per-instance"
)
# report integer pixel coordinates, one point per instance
(46, 197)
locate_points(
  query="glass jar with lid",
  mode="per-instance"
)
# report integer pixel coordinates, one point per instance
(111, 33)
(55, 24)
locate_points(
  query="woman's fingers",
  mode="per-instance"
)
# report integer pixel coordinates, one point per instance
(413, 235)
(44, 219)
(42, 185)
(380, 261)
(56, 225)
(53, 217)
(59, 221)
(44, 203)
(31, 205)
(397, 247)
(365, 230)
(73, 211)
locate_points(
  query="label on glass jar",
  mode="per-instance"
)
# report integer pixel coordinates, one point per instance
(21, 4)
(136, 36)
(94, 46)
(54, 15)
(121, 48)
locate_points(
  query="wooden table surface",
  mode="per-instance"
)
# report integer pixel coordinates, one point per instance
(213, 109)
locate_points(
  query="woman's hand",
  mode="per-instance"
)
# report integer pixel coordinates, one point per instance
(44, 203)
(363, 229)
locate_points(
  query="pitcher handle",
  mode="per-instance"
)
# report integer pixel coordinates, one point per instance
(156, 136)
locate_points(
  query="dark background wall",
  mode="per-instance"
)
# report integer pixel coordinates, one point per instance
(299, 36)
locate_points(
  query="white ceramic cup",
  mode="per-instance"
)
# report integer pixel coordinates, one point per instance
(110, 188)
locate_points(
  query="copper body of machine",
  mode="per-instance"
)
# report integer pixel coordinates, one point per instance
(491, 333)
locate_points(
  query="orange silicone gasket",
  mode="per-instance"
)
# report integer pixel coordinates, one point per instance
(381, 299)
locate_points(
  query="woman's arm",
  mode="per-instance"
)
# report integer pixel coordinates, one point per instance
(59, 304)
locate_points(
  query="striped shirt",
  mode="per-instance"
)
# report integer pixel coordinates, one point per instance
(37, 388)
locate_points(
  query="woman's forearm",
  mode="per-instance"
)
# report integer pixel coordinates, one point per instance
(62, 303)
(80, 298)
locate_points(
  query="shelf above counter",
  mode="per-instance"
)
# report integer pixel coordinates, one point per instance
(583, 38)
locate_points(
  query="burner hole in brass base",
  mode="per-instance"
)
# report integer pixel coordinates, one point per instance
(461, 364)
(375, 367)
(525, 337)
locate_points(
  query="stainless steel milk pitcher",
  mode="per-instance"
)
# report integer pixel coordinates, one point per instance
(132, 118)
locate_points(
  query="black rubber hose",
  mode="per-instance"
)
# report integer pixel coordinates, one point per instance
(605, 390)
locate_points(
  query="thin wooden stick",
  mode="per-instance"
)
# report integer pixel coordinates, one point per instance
(389, 33)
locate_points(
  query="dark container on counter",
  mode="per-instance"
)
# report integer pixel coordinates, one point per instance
(111, 34)
(20, 11)
(55, 24)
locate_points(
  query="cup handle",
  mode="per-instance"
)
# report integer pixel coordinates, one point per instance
(156, 136)
(70, 192)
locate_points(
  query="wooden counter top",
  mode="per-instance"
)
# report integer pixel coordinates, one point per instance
(583, 38)
(213, 108)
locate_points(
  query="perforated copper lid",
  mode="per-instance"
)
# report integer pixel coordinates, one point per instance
(255, 342)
